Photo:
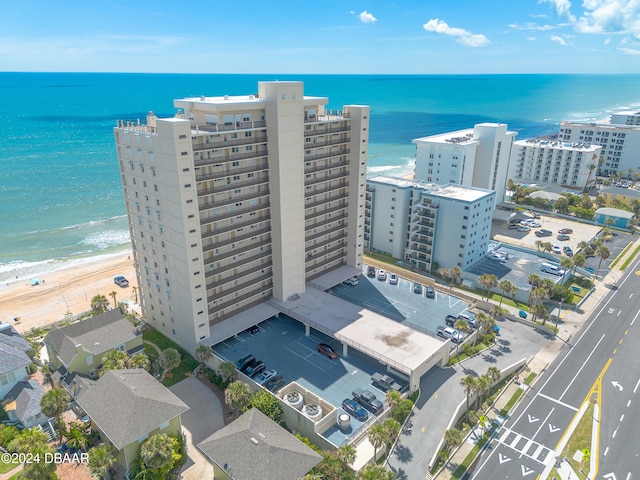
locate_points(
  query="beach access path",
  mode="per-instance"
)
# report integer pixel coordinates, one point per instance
(69, 289)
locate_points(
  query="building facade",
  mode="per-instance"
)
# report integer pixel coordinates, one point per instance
(477, 157)
(238, 199)
(540, 160)
(426, 224)
(620, 142)
(628, 117)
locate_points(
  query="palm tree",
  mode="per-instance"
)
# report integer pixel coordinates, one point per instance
(488, 281)
(456, 275)
(494, 374)
(539, 310)
(566, 264)
(506, 287)
(486, 322)
(169, 359)
(237, 396)
(28, 440)
(113, 360)
(227, 371)
(604, 253)
(462, 326)
(202, 354)
(34, 441)
(445, 273)
(579, 261)
(113, 295)
(101, 459)
(483, 383)
(375, 472)
(378, 437)
(547, 247)
(468, 383)
(157, 451)
(77, 437)
(139, 360)
(347, 454)
(53, 403)
(392, 427)
(591, 167)
(538, 244)
(392, 398)
(134, 289)
(452, 438)
(99, 304)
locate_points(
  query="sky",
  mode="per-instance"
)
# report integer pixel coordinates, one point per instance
(326, 36)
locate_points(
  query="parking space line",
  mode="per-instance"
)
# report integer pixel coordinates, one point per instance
(306, 359)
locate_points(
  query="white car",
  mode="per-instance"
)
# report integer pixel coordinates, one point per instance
(524, 228)
(353, 281)
(265, 376)
(557, 249)
(393, 279)
(382, 275)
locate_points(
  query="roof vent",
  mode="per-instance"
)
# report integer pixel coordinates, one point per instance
(254, 441)
(262, 435)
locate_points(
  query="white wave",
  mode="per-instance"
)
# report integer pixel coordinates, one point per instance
(107, 238)
(92, 223)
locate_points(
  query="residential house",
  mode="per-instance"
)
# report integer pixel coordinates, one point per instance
(22, 404)
(80, 347)
(14, 358)
(620, 218)
(254, 446)
(620, 194)
(127, 406)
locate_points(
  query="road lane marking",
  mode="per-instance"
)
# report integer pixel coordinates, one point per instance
(538, 430)
(619, 312)
(526, 470)
(628, 403)
(503, 458)
(617, 386)
(553, 428)
(614, 433)
(636, 388)
(583, 365)
(621, 418)
(631, 295)
(566, 405)
(606, 450)
(626, 332)
(532, 419)
(634, 318)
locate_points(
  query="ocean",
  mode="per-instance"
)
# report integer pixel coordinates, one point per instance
(60, 187)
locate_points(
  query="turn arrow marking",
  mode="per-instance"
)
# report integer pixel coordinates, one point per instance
(610, 476)
(526, 470)
(617, 385)
(532, 418)
(503, 458)
(553, 428)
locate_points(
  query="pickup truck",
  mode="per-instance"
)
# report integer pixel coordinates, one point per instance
(384, 382)
(368, 400)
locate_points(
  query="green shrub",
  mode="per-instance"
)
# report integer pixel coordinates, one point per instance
(402, 411)
(7, 434)
(32, 368)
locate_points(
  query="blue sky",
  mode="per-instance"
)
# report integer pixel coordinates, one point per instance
(328, 36)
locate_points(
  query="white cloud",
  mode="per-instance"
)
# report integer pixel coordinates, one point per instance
(563, 8)
(607, 41)
(465, 37)
(532, 39)
(610, 16)
(366, 17)
(629, 51)
(560, 40)
(531, 26)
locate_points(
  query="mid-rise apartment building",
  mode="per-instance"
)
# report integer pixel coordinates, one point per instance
(620, 141)
(477, 157)
(543, 160)
(424, 224)
(238, 199)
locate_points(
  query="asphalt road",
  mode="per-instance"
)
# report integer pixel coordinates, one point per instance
(601, 365)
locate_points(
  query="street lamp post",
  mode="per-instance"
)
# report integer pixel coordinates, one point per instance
(558, 316)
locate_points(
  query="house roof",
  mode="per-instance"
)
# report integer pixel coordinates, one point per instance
(128, 404)
(13, 349)
(97, 335)
(614, 212)
(254, 446)
(624, 192)
(26, 395)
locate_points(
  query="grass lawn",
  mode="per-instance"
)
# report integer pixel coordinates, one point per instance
(7, 467)
(187, 363)
(580, 439)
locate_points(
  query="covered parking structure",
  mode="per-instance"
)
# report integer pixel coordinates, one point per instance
(404, 351)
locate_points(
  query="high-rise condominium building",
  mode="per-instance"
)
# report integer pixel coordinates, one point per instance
(238, 199)
(620, 141)
(477, 157)
(541, 160)
(425, 224)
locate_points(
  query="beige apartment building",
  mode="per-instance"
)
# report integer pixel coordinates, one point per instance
(240, 199)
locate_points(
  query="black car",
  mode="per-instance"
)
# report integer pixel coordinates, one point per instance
(257, 369)
(253, 329)
(417, 288)
(248, 365)
(368, 400)
(450, 320)
(244, 361)
(371, 272)
(430, 292)
(355, 410)
(274, 384)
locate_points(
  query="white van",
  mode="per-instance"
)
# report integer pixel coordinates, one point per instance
(552, 268)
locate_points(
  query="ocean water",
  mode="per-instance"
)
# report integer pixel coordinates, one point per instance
(60, 190)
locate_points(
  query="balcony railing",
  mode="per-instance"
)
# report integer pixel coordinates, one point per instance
(205, 205)
(332, 128)
(236, 288)
(330, 255)
(337, 238)
(237, 251)
(231, 172)
(229, 127)
(225, 187)
(243, 273)
(330, 166)
(334, 198)
(322, 233)
(325, 189)
(326, 178)
(309, 216)
(255, 154)
(239, 299)
(235, 142)
(236, 239)
(235, 213)
(326, 143)
(238, 264)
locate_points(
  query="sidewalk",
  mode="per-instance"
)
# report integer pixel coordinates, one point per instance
(568, 326)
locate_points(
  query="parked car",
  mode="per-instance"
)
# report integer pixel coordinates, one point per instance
(327, 351)
(352, 408)
(563, 237)
(353, 281)
(590, 270)
(257, 369)
(121, 281)
(274, 383)
(449, 333)
(265, 376)
(524, 228)
(249, 364)
(543, 233)
(567, 251)
(371, 272)
(253, 329)
(556, 248)
(240, 364)
(382, 275)
(450, 320)
(430, 292)
(368, 400)
(393, 279)
(384, 382)
(417, 288)
(566, 231)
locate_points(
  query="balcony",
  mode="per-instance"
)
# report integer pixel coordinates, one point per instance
(322, 233)
(231, 172)
(335, 198)
(236, 288)
(244, 273)
(309, 216)
(239, 299)
(200, 162)
(236, 239)
(225, 187)
(238, 264)
(235, 142)
(326, 178)
(320, 168)
(326, 143)
(337, 238)
(332, 254)
(228, 127)
(325, 189)
(236, 213)
(332, 128)
(232, 200)
(218, 257)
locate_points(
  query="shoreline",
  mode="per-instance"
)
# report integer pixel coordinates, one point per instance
(68, 289)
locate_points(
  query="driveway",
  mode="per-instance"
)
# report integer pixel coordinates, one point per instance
(203, 418)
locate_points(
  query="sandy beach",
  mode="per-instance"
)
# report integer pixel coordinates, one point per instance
(69, 289)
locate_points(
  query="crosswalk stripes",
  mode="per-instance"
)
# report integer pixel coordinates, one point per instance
(525, 446)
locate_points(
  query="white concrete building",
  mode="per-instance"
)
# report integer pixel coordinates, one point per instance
(238, 199)
(627, 117)
(620, 142)
(424, 223)
(541, 160)
(477, 157)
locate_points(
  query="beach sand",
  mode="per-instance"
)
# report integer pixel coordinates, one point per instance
(69, 289)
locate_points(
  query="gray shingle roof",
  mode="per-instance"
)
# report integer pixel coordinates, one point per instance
(254, 446)
(127, 404)
(27, 395)
(97, 335)
(13, 350)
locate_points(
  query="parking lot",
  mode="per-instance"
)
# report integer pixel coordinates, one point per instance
(281, 344)
(400, 303)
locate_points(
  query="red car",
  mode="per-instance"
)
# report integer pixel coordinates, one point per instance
(327, 351)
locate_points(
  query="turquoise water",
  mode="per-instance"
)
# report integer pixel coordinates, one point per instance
(60, 187)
